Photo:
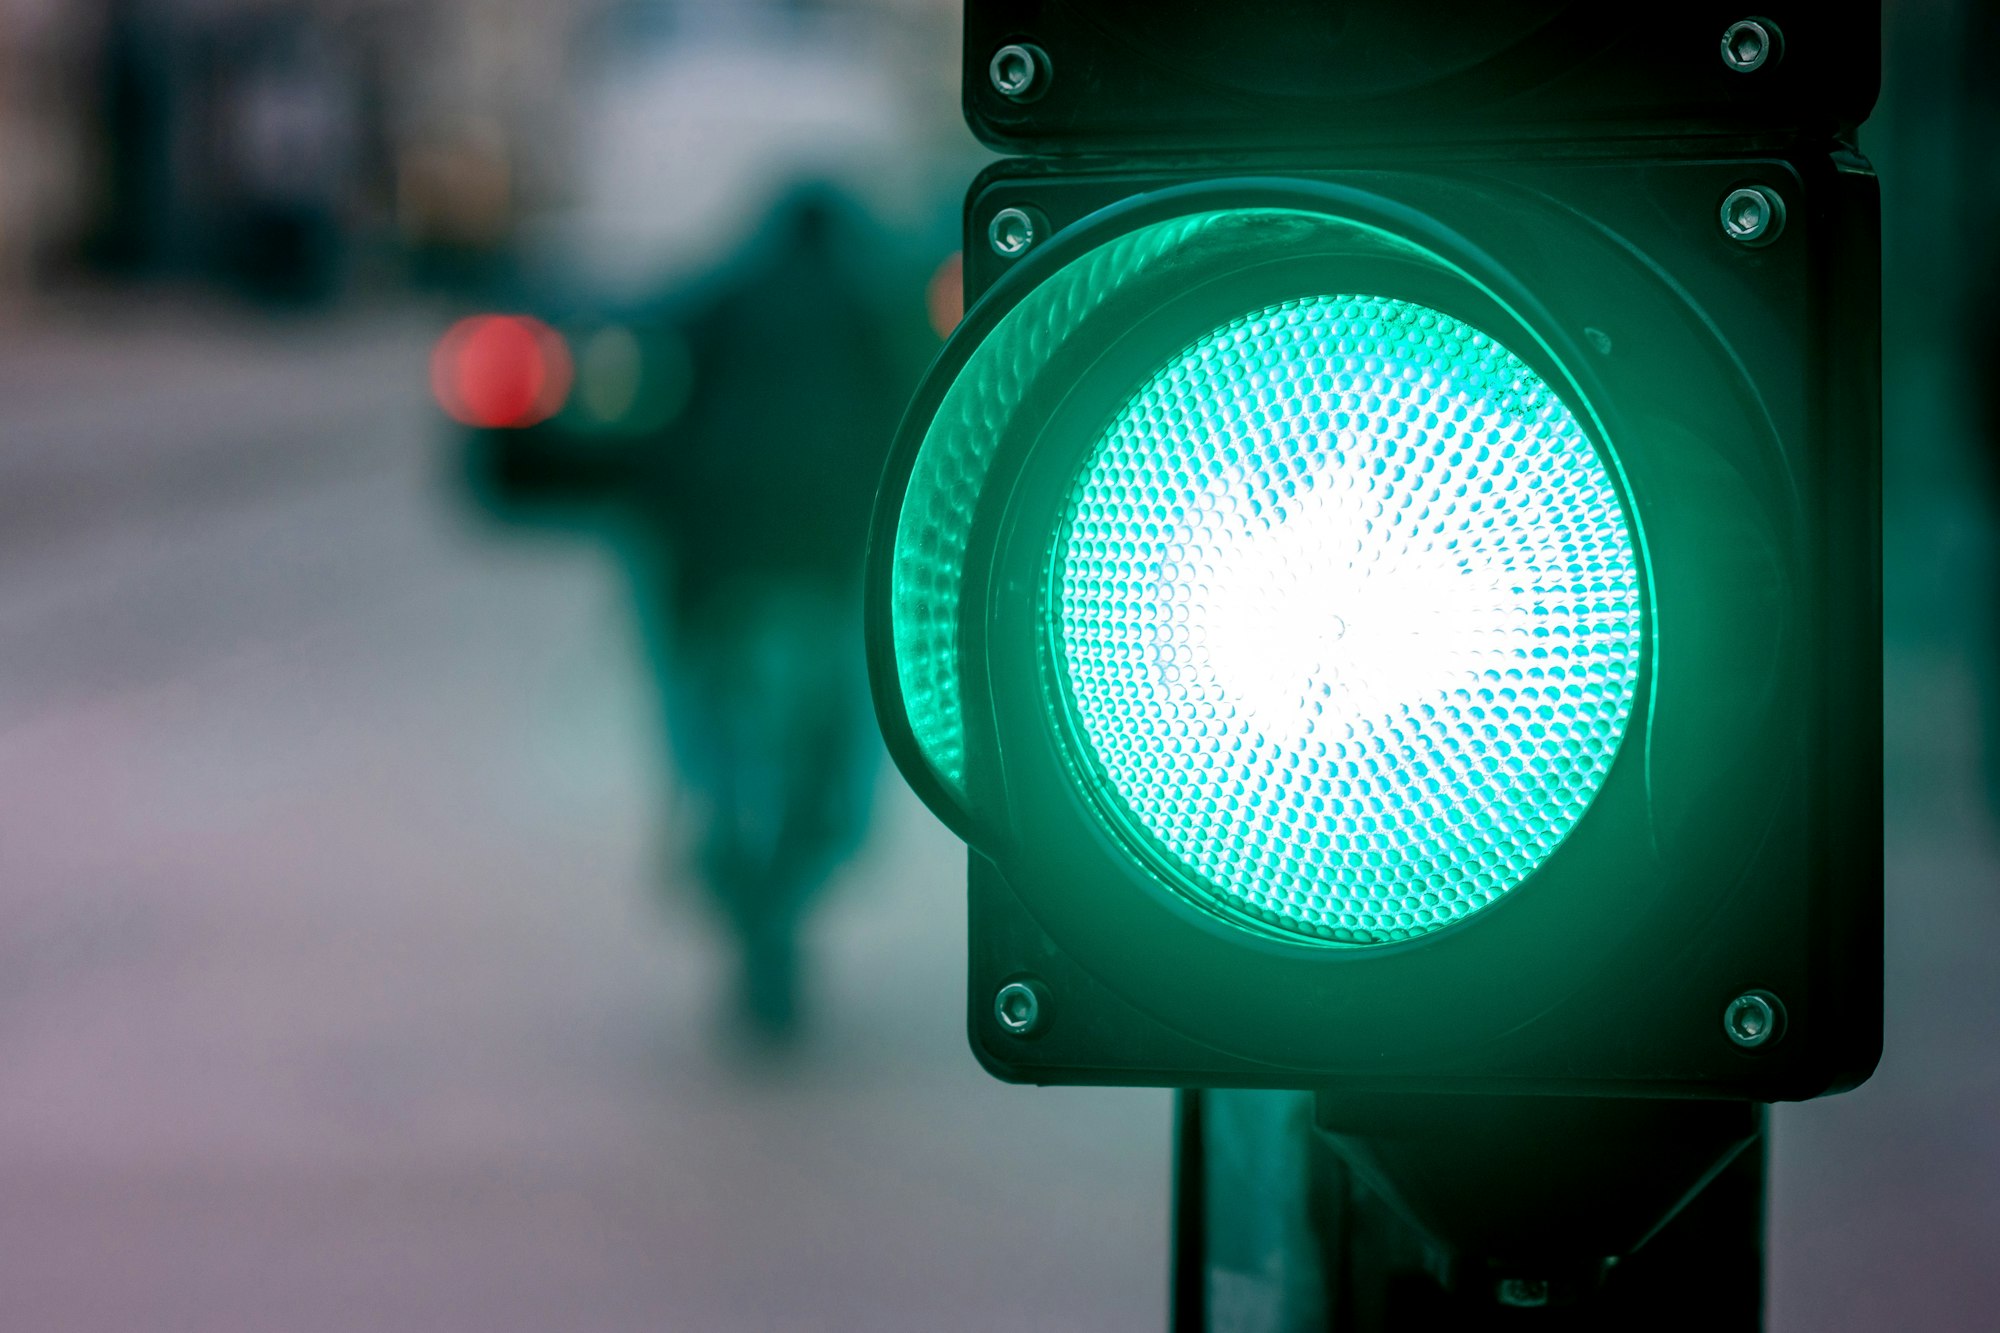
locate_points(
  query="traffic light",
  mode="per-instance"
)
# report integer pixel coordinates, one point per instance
(1385, 577)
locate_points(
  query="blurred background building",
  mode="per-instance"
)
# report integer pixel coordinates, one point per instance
(430, 138)
(337, 989)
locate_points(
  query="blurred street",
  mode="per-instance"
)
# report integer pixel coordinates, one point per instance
(354, 970)
(334, 990)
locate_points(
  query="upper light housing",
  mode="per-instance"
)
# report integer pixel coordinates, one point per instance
(1343, 610)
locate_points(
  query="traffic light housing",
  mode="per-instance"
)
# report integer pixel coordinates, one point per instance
(1386, 582)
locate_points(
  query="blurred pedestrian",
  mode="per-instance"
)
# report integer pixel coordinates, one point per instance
(760, 501)
(742, 518)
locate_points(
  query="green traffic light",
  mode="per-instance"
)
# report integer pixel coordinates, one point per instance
(1344, 610)
(1402, 620)
(1348, 619)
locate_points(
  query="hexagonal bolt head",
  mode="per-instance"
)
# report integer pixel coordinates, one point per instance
(1012, 233)
(1020, 1008)
(1019, 72)
(1750, 44)
(1753, 1019)
(1522, 1293)
(1753, 215)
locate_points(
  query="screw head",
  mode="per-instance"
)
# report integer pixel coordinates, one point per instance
(1011, 232)
(1753, 215)
(1749, 44)
(1753, 1019)
(1017, 71)
(1018, 1007)
(1522, 1293)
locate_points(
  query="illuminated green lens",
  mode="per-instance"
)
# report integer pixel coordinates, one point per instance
(948, 477)
(1348, 618)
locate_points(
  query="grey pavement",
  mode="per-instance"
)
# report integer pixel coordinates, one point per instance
(335, 989)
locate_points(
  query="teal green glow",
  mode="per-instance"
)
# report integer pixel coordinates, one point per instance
(1348, 618)
(949, 472)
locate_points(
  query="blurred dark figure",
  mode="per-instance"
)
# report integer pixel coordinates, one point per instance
(1980, 228)
(760, 503)
(741, 508)
(1984, 362)
(230, 147)
(137, 120)
(283, 137)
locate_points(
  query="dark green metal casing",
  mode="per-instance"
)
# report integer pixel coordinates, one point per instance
(1735, 844)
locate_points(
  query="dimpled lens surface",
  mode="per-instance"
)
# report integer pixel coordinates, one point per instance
(1348, 618)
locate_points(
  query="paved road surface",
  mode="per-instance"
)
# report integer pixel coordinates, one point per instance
(333, 995)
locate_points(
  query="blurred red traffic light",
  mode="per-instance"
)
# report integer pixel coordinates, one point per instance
(944, 295)
(501, 371)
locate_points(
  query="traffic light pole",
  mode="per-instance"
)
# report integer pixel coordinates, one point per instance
(1294, 1213)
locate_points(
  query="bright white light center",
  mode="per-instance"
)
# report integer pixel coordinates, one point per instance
(1349, 617)
(1308, 625)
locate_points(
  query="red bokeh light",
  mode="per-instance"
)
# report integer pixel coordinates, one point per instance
(500, 370)
(944, 298)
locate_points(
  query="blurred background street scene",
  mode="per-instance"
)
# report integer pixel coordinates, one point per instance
(447, 875)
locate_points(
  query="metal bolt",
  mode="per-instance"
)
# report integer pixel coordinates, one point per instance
(1018, 1006)
(1011, 232)
(1749, 44)
(1524, 1293)
(1753, 215)
(1754, 1018)
(1018, 71)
